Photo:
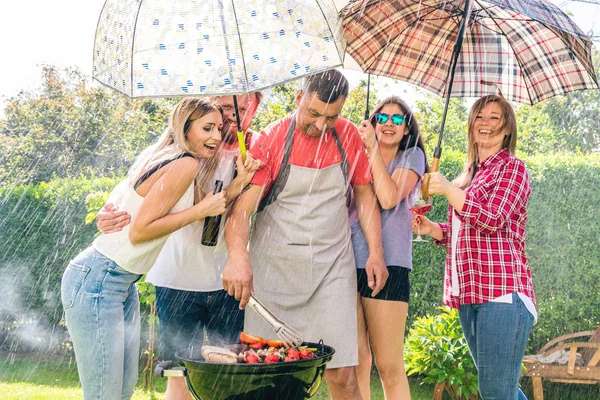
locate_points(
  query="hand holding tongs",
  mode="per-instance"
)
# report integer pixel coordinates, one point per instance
(288, 335)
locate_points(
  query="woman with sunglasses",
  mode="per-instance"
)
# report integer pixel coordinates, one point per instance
(98, 291)
(397, 158)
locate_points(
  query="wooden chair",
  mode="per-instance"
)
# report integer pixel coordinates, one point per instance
(589, 373)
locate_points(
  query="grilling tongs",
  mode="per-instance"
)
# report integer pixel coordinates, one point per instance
(287, 334)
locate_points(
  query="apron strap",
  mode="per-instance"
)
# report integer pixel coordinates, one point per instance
(284, 171)
(345, 165)
(152, 170)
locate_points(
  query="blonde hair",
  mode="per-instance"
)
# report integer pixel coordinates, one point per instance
(509, 126)
(174, 141)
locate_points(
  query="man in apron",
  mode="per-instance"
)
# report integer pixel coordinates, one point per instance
(300, 261)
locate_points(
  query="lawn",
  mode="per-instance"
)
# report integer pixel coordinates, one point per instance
(31, 379)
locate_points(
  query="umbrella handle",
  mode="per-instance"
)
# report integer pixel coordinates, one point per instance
(240, 134)
(242, 143)
(435, 166)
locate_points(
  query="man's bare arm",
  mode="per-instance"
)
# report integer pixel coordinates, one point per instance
(237, 275)
(110, 219)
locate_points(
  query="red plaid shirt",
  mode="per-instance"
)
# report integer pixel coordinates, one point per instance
(490, 251)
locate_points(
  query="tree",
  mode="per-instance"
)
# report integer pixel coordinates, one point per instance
(277, 103)
(66, 129)
(429, 114)
(567, 123)
(535, 131)
(354, 108)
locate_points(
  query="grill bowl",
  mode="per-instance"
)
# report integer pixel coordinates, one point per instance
(294, 380)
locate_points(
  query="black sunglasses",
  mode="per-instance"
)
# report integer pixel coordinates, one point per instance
(397, 119)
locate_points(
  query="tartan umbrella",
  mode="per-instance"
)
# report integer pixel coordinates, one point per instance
(157, 48)
(529, 50)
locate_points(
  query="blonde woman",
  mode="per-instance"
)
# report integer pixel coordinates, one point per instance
(98, 292)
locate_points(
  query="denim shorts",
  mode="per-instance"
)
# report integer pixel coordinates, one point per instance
(189, 320)
(397, 286)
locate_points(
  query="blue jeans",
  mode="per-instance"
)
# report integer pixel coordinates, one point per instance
(102, 311)
(497, 336)
(186, 316)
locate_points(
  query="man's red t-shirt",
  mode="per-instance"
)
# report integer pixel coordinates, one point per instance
(311, 152)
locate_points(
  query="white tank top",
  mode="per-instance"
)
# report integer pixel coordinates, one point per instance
(184, 263)
(135, 258)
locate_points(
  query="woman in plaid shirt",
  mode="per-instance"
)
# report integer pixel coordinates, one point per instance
(487, 274)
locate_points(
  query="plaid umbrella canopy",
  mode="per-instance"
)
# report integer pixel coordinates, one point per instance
(529, 50)
(157, 48)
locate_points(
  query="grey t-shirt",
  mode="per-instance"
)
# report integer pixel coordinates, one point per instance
(395, 222)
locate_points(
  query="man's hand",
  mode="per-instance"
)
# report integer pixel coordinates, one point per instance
(246, 168)
(237, 278)
(237, 275)
(377, 273)
(110, 219)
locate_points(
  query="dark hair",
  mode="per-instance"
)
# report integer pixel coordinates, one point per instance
(413, 136)
(328, 86)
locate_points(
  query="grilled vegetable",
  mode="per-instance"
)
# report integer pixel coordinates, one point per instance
(275, 343)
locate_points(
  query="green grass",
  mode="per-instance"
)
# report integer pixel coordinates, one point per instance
(34, 379)
(417, 390)
(56, 379)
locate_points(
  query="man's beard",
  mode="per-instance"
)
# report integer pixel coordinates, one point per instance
(312, 130)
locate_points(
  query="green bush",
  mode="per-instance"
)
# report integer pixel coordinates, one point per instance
(563, 243)
(437, 349)
(41, 229)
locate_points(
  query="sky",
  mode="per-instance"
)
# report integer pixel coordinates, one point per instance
(61, 32)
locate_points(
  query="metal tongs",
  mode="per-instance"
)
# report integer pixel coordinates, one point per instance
(287, 334)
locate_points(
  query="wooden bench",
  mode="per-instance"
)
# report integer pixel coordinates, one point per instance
(588, 373)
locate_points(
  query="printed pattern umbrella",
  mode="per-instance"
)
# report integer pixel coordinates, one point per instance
(529, 50)
(213, 47)
(158, 48)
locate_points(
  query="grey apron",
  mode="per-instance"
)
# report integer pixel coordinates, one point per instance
(302, 259)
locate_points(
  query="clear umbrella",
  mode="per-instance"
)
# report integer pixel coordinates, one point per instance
(213, 47)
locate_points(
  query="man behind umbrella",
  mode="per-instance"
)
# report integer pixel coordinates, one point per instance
(300, 261)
